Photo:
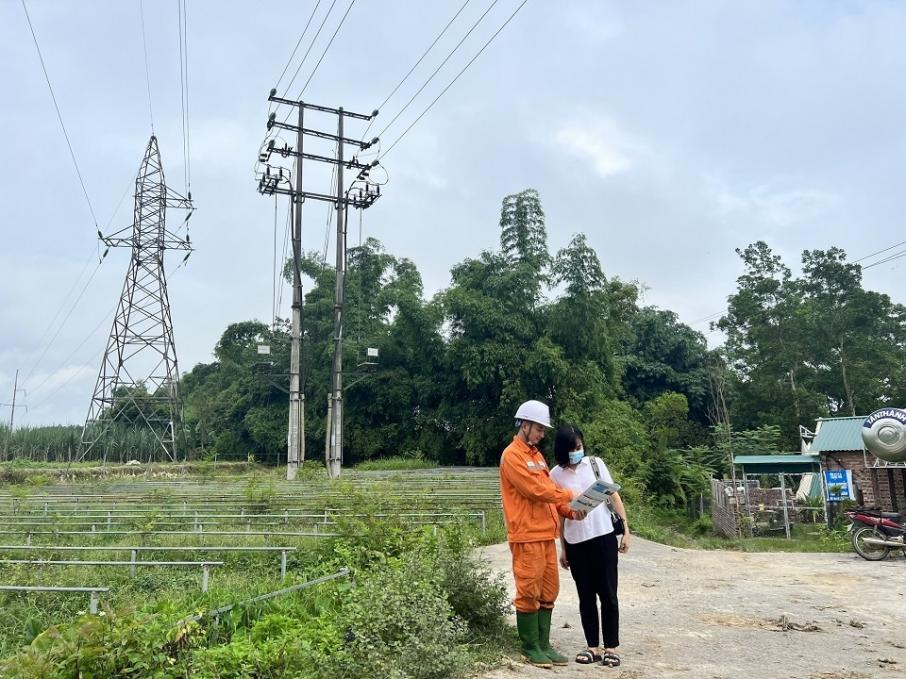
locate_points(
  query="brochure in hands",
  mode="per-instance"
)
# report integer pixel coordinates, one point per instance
(594, 495)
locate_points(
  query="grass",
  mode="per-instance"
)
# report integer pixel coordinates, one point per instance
(158, 596)
(397, 463)
(677, 530)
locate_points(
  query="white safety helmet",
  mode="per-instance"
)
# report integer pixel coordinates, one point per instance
(534, 411)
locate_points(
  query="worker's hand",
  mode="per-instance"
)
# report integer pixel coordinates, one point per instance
(624, 543)
(564, 561)
(577, 515)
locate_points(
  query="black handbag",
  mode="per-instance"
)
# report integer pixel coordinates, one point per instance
(618, 526)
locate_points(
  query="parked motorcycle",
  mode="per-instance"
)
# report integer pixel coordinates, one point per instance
(875, 533)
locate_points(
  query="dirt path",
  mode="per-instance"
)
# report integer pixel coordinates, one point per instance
(715, 614)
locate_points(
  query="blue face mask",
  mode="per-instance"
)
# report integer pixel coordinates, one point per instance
(575, 457)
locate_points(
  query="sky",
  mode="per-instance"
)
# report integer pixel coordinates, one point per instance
(669, 133)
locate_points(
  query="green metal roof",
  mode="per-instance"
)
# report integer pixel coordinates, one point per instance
(838, 434)
(778, 464)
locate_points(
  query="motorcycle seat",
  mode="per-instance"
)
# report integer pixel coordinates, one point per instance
(896, 516)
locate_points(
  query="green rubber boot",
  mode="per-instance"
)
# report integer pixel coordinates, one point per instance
(527, 626)
(544, 637)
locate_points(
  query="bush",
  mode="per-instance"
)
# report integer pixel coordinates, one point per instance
(703, 526)
(399, 625)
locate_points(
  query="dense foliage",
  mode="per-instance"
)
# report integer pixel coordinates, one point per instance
(520, 322)
(418, 604)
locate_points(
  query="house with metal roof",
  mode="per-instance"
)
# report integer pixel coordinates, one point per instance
(838, 443)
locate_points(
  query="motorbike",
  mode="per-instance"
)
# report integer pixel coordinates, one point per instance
(875, 533)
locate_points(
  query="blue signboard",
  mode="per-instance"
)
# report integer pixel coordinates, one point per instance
(839, 483)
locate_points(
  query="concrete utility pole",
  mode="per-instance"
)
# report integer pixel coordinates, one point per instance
(295, 451)
(275, 180)
(335, 450)
(12, 406)
(12, 413)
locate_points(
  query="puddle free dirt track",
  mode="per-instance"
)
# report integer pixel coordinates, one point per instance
(721, 614)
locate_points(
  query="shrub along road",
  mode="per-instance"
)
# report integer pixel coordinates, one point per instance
(721, 614)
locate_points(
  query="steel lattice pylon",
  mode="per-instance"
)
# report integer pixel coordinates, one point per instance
(137, 383)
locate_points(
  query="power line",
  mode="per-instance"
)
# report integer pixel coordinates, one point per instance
(891, 247)
(91, 333)
(141, 12)
(59, 115)
(281, 283)
(274, 272)
(709, 317)
(188, 136)
(465, 68)
(305, 56)
(446, 59)
(182, 98)
(78, 280)
(896, 255)
(324, 53)
(298, 42)
(416, 64)
(66, 318)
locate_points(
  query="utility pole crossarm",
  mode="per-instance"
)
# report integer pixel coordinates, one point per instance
(287, 150)
(366, 201)
(323, 109)
(272, 122)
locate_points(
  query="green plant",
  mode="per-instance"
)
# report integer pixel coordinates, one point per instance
(400, 625)
(259, 497)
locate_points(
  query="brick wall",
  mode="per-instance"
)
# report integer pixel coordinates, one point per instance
(875, 487)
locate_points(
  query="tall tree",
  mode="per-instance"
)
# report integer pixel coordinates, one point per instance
(768, 346)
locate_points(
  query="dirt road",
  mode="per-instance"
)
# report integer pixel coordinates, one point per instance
(715, 614)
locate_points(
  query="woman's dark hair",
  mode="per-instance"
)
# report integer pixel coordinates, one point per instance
(565, 441)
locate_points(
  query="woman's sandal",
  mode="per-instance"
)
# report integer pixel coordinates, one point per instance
(588, 657)
(610, 659)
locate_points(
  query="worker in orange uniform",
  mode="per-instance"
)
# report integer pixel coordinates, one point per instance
(532, 506)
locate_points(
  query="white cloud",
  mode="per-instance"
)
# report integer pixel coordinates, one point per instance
(601, 142)
(778, 207)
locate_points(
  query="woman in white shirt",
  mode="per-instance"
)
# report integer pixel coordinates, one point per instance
(589, 548)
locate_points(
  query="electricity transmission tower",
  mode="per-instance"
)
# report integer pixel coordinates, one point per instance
(137, 383)
(283, 181)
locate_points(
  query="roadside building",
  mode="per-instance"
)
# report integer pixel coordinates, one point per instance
(838, 443)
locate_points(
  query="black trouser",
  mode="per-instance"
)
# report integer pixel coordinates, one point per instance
(593, 565)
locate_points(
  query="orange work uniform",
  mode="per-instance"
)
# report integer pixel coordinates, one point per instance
(532, 504)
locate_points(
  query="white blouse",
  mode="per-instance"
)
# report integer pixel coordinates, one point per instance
(598, 521)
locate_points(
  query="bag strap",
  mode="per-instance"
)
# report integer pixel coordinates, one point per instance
(593, 461)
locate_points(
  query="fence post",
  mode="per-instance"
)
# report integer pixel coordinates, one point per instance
(108, 521)
(484, 523)
(205, 574)
(283, 565)
(93, 605)
(133, 558)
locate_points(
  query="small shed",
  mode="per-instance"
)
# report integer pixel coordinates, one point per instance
(837, 441)
(781, 465)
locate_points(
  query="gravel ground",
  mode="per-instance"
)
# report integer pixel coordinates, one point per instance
(717, 614)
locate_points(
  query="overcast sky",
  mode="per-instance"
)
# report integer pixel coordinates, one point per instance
(670, 133)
